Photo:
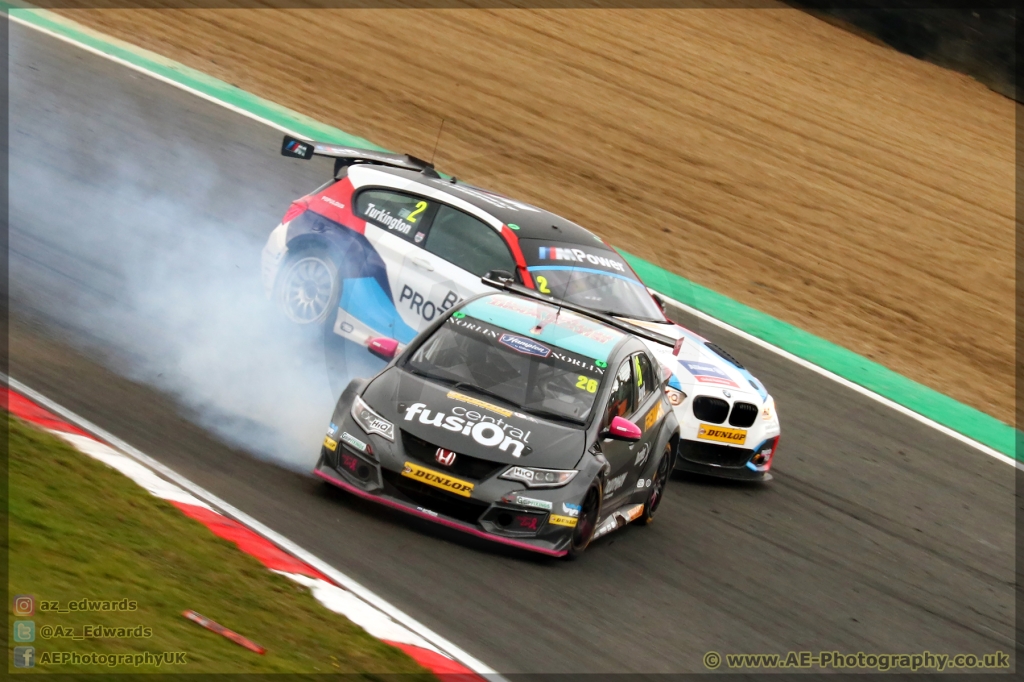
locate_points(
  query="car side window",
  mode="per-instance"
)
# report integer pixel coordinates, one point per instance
(404, 215)
(645, 381)
(471, 244)
(620, 402)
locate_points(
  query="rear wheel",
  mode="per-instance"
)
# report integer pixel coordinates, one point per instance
(658, 486)
(309, 287)
(586, 523)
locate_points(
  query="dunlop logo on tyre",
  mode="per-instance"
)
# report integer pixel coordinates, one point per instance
(437, 479)
(721, 435)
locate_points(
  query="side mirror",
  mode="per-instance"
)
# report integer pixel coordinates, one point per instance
(383, 347)
(622, 429)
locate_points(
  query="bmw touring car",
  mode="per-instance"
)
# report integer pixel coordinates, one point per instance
(513, 419)
(387, 247)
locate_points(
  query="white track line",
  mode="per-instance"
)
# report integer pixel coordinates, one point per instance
(704, 316)
(845, 382)
(284, 543)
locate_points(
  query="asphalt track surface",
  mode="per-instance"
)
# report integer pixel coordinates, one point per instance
(878, 534)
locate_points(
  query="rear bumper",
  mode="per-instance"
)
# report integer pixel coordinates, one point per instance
(336, 478)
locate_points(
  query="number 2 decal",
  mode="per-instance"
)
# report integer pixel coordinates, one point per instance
(542, 284)
(587, 384)
(421, 206)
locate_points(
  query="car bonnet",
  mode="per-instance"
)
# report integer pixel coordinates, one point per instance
(471, 424)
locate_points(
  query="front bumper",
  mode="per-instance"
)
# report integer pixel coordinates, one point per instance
(490, 513)
(723, 461)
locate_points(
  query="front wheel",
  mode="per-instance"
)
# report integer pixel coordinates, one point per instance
(586, 524)
(309, 287)
(658, 486)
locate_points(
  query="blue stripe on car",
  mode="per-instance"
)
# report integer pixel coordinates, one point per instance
(364, 299)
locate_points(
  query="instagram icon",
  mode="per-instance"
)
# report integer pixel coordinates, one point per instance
(24, 605)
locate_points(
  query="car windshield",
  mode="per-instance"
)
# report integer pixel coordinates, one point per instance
(593, 277)
(533, 376)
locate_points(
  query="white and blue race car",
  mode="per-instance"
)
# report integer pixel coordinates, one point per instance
(388, 245)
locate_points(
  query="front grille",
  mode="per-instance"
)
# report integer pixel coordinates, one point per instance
(432, 498)
(743, 415)
(711, 410)
(710, 453)
(464, 466)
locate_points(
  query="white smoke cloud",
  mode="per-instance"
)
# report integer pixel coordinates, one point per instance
(154, 262)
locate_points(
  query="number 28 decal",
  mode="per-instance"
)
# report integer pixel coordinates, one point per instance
(587, 384)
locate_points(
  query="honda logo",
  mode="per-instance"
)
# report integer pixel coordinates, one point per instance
(445, 457)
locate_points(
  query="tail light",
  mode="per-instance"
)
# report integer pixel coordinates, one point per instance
(297, 208)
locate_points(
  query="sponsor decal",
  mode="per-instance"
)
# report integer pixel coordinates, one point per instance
(648, 483)
(579, 256)
(332, 429)
(425, 308)
(384, 217)
(437, 479)
(722, 435)
(332, 202)
(708, 374)
(351, 440)
(766, 413)
(515, 498)
(567, 521)
(350, 462)
(483, 429)
(570, 509)
(614, 484)
(618, 519)
(445, 457)
(653, 416)
(419, 237)
(527, 522)
(426, 511)
(641, 457)
(640, 483)
(297, 149)
(330, 443)
(455, 395)
(525, 346)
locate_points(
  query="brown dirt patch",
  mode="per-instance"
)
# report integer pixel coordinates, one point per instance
(861, 194)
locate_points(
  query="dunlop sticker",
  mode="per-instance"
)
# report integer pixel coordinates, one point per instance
(437, 479)
(722, 435)
(562, 520)
(330, 443)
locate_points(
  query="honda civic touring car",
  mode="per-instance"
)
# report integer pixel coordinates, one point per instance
(512, 419)
(387, 247)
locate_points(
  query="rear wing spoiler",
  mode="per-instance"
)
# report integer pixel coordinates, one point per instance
(346, 156)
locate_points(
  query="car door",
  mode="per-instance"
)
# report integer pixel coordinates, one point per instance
(620, 454)
(396, 222)
(649, 411)
(447, 265)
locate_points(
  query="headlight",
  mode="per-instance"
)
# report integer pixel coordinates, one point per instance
(675, 397)
(539, 478)
(370, 421)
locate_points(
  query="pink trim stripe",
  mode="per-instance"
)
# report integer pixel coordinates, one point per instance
(436, 519)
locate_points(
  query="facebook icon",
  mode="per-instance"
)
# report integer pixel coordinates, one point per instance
(24, 657)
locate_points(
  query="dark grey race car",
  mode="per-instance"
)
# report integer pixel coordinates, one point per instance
(513, 419)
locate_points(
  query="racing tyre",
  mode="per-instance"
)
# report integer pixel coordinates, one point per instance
(309, 287)
(658, 486)
(587, 524)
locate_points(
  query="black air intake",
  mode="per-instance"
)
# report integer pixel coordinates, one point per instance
(743, 415)
(711, 410)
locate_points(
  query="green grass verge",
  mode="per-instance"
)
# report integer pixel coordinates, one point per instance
(80, 529)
